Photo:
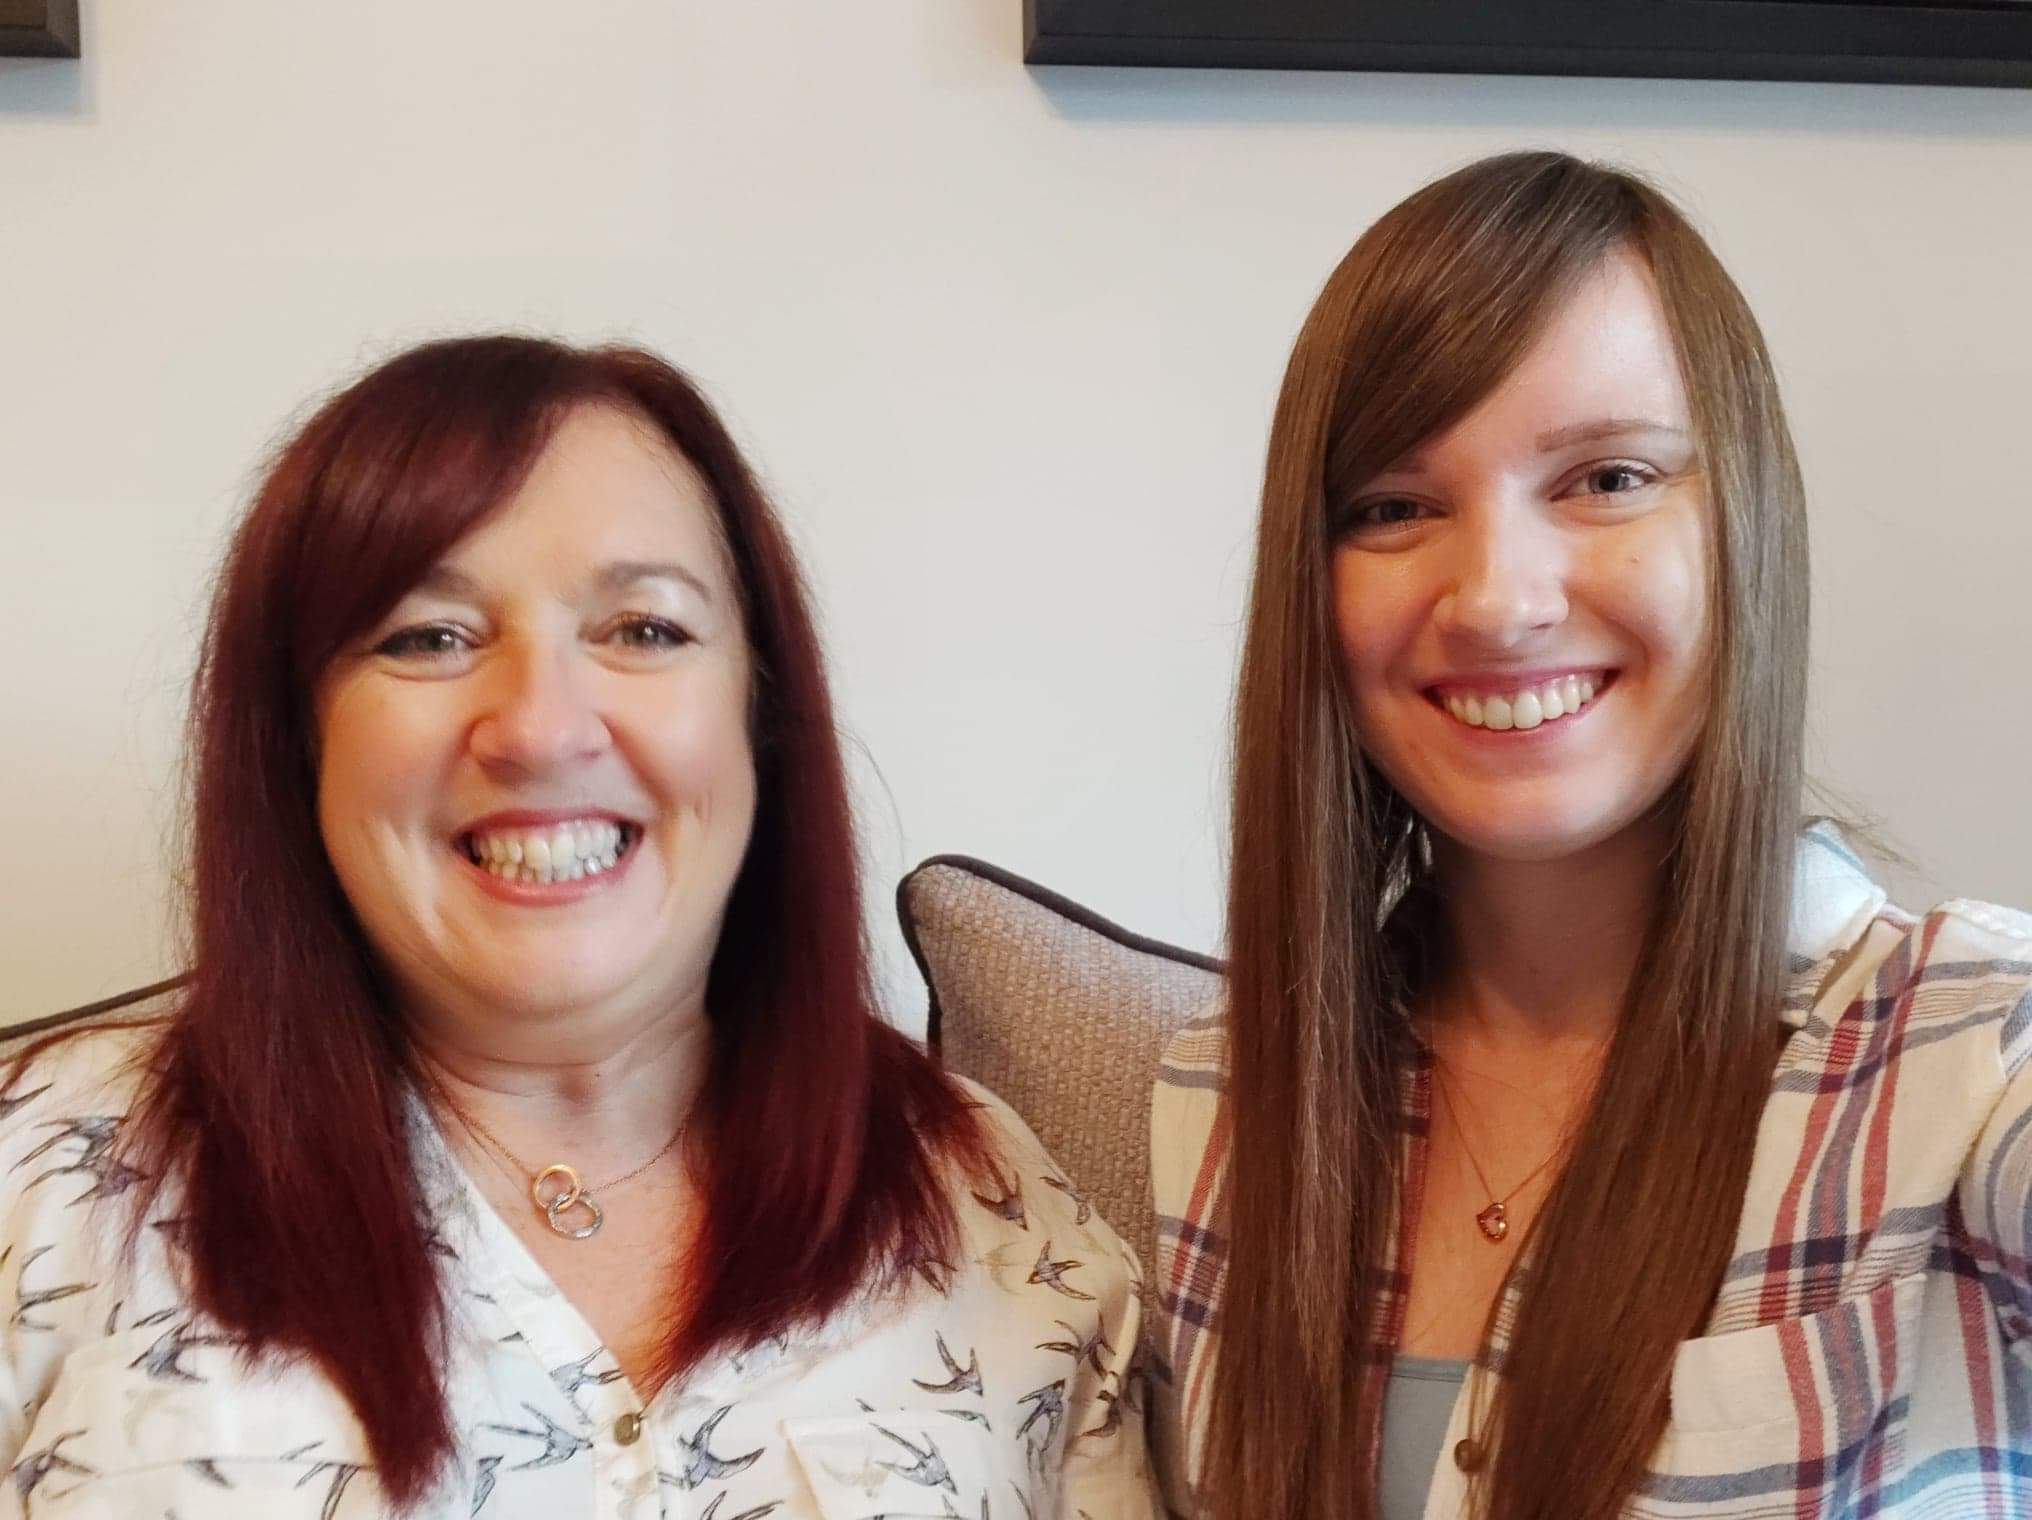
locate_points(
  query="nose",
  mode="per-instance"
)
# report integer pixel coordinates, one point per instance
(1508, 577)
(537, 713)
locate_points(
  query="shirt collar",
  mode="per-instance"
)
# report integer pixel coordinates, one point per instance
(1833, 902)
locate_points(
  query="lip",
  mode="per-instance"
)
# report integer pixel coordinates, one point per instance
(1501, 683)
(538, 818)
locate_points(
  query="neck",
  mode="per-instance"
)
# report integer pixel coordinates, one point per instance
(1544, 951)
(610, 1092)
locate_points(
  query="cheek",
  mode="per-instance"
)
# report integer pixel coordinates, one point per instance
(1661, 595)
(347, 780)
(375, 764)
(1375, 623)
(701, 751)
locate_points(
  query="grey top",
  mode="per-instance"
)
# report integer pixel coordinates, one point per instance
(1416, 1409)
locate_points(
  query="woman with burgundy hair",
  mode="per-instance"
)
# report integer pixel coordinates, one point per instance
(526, 1142)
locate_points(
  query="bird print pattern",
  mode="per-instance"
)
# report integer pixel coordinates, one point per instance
(995, 1382)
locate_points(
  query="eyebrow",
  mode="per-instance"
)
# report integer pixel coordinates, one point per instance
(1607, 427)
(443, 580)
(1566, 438)
(622, 574)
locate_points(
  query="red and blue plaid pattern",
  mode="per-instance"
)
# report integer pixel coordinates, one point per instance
(1870, 1351)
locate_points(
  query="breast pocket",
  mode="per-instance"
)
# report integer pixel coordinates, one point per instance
(164, 1417)
(912, 1464)
(1804, 1417)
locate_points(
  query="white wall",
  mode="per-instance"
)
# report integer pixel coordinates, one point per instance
(1004, 341)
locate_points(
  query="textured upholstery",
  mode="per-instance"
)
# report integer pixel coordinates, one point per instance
(1060, 1012)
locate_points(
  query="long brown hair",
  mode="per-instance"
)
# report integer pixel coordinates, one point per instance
(1423, 318)
(275, 1096)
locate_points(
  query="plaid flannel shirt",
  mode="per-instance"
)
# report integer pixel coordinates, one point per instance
(1870, 1352)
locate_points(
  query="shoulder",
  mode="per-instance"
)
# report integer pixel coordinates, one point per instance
(61, 1113)
(1185, 1112)
(1028, 1189)
(1010, 1139)
(1196, 1057)
(1963, 969)
(60, 1160)
(94, 1073)
(1929, 1014)
(1987, 932)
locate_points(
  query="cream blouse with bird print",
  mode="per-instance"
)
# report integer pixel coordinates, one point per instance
(996, 1387)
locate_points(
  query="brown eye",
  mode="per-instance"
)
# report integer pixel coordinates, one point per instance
(1615, 479)
(425, 642)
(1388, 512)
(650, 633)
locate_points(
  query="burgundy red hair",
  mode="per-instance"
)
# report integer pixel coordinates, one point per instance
(275, 1100)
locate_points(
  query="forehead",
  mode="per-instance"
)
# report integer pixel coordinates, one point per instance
(607, 487)
(1606, 352)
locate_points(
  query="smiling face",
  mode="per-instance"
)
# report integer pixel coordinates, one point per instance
(1522, 602)
(534, 775)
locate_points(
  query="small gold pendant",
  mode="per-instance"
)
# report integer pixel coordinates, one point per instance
(1493, 1222)
(573, 1195)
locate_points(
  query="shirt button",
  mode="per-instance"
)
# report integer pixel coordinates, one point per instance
(1468, 1456)
(628, 1429)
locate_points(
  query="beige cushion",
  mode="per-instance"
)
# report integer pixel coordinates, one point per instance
(1060, 1012)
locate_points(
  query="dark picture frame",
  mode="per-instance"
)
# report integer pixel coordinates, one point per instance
(1967, 42)
(39, 29)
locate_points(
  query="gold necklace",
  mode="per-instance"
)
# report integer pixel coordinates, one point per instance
(1494, 1220)
(571, 1192)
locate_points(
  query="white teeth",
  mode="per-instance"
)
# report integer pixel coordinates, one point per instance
(564, 852)
(1524, 709)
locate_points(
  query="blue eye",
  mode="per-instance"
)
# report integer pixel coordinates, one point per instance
(426, 641)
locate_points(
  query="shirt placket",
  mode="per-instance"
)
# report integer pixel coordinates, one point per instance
(567, 1359)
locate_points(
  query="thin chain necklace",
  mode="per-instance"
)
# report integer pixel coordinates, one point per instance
(1494, 1220)
(555, 1189)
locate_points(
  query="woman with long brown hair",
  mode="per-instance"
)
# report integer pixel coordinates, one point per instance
(526, 1143)
(1581, 1136)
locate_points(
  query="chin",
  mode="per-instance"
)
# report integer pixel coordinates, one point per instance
(537, 987)
(1543, 837)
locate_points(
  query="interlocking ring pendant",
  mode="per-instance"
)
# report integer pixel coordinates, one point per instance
(571, 1196)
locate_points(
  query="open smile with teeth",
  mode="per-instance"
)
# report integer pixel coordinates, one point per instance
(1525, 708)
(557, 852)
